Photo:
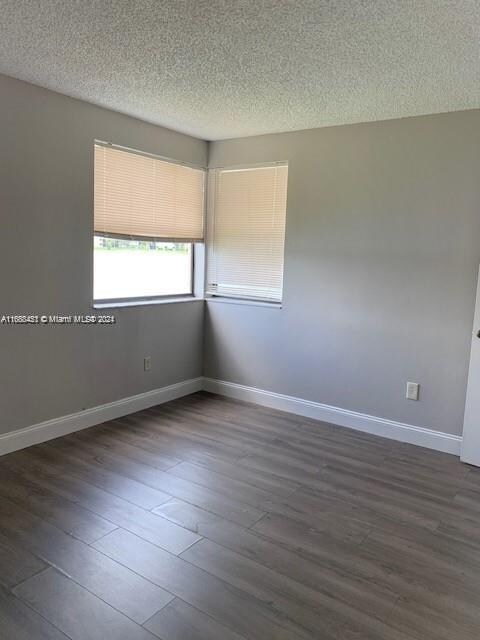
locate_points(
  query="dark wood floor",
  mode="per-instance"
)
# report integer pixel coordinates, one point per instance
(209, 519)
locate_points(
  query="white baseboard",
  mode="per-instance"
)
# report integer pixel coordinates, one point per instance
(50, 429)
(360, 421)
(57, 427)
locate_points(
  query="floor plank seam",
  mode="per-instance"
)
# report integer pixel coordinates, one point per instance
(27, 604)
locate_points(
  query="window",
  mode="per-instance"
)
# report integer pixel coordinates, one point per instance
(246, 232)
(125, 269)
(147, 214)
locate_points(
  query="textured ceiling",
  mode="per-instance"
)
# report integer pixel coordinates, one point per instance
(225, 68)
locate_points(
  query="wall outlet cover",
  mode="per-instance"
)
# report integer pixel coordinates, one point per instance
(413, 389)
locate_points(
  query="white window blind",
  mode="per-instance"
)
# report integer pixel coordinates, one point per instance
(142, 196)
(246, 232)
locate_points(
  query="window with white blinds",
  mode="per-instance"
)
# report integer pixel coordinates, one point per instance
(140, 196)
(246, 232)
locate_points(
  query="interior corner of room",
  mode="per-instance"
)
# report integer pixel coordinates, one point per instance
(239, 320)
(380, 259)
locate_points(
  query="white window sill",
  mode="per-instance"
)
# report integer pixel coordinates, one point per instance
(114, 304)
(248, 303)
(143, 303)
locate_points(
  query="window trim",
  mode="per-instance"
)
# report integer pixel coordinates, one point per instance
(249, 302)
(141, 299)
(147, 154)
(113, 304)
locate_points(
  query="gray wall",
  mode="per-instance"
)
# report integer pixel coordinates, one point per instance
(382, 253)
(381, 260)
(46, 190)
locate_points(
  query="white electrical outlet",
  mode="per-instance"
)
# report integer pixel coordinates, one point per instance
(147, 363)
(413, 389)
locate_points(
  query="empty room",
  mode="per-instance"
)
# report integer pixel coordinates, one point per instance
(239, 320)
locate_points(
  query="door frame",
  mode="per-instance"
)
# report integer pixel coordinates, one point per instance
(470, 452)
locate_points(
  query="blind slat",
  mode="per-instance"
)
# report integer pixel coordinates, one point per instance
(246, 232)
(139, 196)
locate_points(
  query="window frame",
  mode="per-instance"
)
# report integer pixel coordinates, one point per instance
(139, 300)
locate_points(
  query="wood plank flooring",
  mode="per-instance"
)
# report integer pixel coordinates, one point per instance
(211, 519)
